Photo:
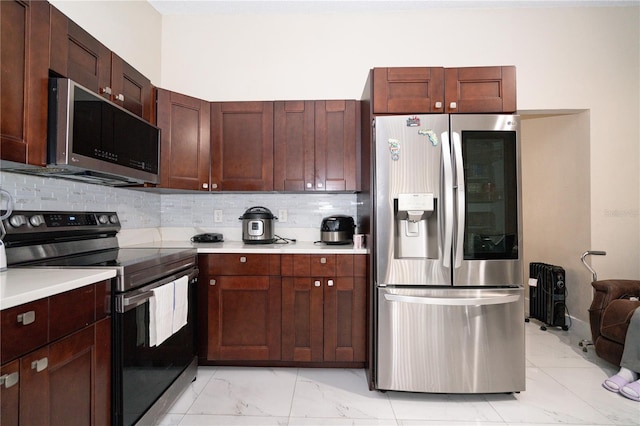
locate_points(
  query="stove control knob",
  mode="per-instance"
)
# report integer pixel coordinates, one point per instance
(113, 218)
(103, 219)
(36, 220)
(18, 220)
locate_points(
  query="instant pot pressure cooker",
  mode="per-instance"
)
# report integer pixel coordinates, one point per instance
(337, 229)
(257, 226)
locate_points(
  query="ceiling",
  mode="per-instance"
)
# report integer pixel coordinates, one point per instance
(221, 7)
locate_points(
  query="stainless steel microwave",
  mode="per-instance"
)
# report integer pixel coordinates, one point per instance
(95, 140)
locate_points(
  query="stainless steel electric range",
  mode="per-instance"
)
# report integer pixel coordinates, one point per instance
(147, 376)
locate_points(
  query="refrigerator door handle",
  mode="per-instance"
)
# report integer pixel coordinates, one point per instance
(460, 201)
(453, 301)
(448, 199)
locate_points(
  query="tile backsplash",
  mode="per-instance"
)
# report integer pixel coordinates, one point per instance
(141, 209)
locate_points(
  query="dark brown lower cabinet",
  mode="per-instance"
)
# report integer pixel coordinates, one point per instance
(66, 380)
(313, 312)
(244, 318)
(323, 318)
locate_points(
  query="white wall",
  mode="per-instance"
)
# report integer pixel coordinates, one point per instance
(566, 58)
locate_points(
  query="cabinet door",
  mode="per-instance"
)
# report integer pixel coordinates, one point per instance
(294, 146)
(408, 90)
(302, 319)
(78, 55)
(130, 89)
(344, 319)
(35, 389)
(337, 126)
(480, 89)
(10, 393)
(24, 328)
(24, 61)
(185, 141)
(244, 318)
(242, 146)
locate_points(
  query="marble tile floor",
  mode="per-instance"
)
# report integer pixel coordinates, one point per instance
(563, 387)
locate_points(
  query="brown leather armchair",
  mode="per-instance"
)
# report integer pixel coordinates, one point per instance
(609, 316)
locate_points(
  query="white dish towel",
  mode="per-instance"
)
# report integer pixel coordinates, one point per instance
(181, 303)
(161, 314)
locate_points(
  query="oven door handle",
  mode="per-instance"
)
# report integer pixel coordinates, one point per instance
(125, 303)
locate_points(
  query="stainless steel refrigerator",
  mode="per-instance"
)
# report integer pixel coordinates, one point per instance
(449, 297)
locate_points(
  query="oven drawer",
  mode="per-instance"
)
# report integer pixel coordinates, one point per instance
(243, 264)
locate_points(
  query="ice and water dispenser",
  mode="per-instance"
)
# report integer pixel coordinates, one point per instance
(416, 226)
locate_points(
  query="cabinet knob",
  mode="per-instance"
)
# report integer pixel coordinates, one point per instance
(438, 105)
(330, 283)
(319, 185)
(453, 105)
(205, 186)
(212, 282)
(309, 185)
(243, 259)
(27, 317)
(316, 283)
(323, 260)
(40, 364)
(8, 380)
(120, 97)
(214, 186)
(105, 90)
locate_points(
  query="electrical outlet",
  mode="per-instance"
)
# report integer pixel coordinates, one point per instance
(217, 215)
(282, 215)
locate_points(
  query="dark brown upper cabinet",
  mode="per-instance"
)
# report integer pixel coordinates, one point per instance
(424, 90)
(24, 62)
(242, 146)
(408, 90)
(185, 141)
(480, 90)
(76, 54)
(316, 145)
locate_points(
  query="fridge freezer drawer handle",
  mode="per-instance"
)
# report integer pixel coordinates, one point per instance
(447, 167)
(460, 202)
(453, 301)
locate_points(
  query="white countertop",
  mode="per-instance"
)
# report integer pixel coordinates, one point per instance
(299, 247)
(23, 285)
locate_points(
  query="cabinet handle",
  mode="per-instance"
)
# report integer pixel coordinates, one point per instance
(453, 105)
(438, 105)
(319, 185)
(323, 260)
(243, 259)
(27, 317)
(120, 97)
(309, 185)
(105, 90)
(40, 364)
(205, 186)
(330, 283)
(214, 185)
(316, 283)
(9, 380)
(212, 282)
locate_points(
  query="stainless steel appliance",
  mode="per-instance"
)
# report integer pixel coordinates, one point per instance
(146, 378)
(337, 229)
(449, 296)
(258, 226)
(94, 140)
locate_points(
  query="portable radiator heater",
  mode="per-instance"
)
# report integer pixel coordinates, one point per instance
(547, 294)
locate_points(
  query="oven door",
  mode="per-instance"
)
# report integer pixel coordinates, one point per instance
(141, 372)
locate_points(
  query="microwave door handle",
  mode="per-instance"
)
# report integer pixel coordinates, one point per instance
(460, 199)
(447, 195)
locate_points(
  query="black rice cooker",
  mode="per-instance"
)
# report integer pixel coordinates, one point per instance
(258, 226)
(337, 229)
